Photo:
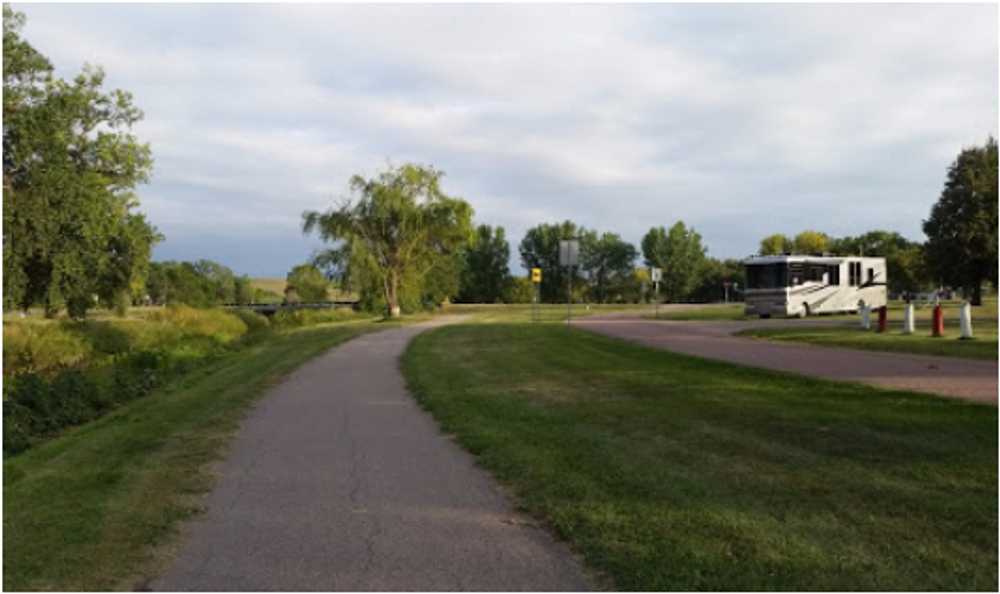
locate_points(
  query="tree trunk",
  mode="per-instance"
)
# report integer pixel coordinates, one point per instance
(977, 293)
(392, 295)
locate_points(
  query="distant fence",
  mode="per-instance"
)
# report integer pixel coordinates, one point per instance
(269, 309)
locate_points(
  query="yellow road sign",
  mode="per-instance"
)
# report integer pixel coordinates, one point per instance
(536, 275)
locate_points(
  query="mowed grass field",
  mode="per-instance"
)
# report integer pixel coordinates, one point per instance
(669, 472)
(87, 509)
(850, 335)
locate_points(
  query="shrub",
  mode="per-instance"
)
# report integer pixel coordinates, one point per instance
(216, 323)
(254, 321)
(17, 428)
(297, 318)
(41, 346)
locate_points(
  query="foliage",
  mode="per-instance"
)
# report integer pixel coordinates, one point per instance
(775, 245)
(712, 278)
(680, 254)
(519, 289)
(962, 228)
(485, 273)
(609, 262)
(298, 318)
(308, 282)
(70, 167)
(200, 284)
(399, 229)
(540, 249)
(811, 242)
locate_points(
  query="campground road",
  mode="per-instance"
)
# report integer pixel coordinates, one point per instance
(338, 480)
(945, 376)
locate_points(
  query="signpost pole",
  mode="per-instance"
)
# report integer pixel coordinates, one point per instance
(569, 293)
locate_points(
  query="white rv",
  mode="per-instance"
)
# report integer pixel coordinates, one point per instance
(801, 286)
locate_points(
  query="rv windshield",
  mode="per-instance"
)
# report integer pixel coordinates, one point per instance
(767, 276)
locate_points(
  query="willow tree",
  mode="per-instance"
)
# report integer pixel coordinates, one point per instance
(397, 229)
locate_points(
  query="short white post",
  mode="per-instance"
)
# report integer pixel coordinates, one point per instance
(866, 317)
(908, 319)
(965, 320)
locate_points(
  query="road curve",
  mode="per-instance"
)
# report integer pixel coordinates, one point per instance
(945, 376)
(337, 480)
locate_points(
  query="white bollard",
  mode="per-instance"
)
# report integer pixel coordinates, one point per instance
(965, 320)
(866, 317)
(908, 319)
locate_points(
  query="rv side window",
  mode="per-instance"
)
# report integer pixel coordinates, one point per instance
(871, 275)
(854, 273)
(833, 275)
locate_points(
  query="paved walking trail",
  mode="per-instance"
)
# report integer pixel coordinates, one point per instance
(337, 480)
(946, 376)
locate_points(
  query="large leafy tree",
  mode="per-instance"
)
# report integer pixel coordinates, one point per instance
(485, 272)
(680, 254)
(70, 166)
(962, 228)
(398, 229)
(609, 261)
(540, 249)
(775, 245)
(811, 242)
(309, 283)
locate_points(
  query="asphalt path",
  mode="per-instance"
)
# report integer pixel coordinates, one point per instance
(337, 480)
(968, 379)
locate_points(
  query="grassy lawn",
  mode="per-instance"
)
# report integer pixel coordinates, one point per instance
(706, 312)
(546, 312)
(669, 472)
(982, 346)
(85, 510)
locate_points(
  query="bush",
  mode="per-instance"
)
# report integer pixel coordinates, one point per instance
(17, 429)
(254, 321)
(297, 318)
(33, 346)
(216, 323)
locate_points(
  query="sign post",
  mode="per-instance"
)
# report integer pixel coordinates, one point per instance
(569, 256)
(536, 279)
(655, 275)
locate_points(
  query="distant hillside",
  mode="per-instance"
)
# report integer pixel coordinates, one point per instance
(277, 286)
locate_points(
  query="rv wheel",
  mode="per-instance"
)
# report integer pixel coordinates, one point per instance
(804, 312)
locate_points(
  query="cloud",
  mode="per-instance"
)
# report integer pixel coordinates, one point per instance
(742, 120)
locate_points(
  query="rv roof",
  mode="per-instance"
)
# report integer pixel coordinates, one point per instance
(802, 258)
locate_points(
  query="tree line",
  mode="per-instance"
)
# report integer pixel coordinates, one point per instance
(74, 238)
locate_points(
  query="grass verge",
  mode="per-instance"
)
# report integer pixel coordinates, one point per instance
(669, 472)
(85, 510)
(981, 347)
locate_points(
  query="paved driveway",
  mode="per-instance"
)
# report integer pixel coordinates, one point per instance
(945, 376)
(339, 481)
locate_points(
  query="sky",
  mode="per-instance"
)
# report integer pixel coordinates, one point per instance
(740, 120)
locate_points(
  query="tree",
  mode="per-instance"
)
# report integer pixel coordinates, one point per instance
(485, 272)
(309, 283)
(243, 293)
(775, 245)
(69, 169)
(811, 242)
(712, 279)
(679, 253)
(609, 261)
(519, 289)
(540, 249)
(962, 228)
(399, 228)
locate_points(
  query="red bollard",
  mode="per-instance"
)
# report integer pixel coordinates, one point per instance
(937, 326)
(883, 318)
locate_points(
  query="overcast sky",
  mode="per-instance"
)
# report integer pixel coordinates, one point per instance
(740, 120)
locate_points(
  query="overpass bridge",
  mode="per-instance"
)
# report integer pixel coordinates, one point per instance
(269, 309)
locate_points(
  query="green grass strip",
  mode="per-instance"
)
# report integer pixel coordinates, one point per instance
(86, 510)
(669, 472)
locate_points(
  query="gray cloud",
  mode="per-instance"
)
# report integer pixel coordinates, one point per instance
(740, 119)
